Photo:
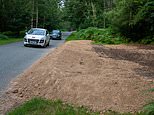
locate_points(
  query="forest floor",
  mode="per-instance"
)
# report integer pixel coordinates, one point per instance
(107, 77)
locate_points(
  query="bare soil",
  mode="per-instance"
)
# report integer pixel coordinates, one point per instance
(108, 77)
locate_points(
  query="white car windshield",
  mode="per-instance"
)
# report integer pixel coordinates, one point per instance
(36, 32)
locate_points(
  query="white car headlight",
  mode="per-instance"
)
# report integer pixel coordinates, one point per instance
(42, 40)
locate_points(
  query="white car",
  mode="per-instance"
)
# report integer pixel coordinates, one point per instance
(37, 37)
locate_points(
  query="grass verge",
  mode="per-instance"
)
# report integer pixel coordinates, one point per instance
(39, 106)
(9, 40)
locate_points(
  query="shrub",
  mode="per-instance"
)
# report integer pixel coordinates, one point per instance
(147, 40)
(3, 36)
(99, 36)
(21, 33)
(8, 33)
(14, 34)
(73, 36)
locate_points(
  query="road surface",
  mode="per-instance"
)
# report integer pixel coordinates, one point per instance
(15, 58)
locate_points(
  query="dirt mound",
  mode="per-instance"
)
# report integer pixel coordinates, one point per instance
(99, 77)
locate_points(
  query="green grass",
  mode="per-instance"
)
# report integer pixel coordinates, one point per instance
(151, 90)
(149, 109)
(98, 36)
(39, 106)
(9, 40)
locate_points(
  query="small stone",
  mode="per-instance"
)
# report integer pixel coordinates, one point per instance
(15, 91)
(79, 72)
(7, 92)
(81, 62)
(47, 81)
(81, 106)
(21, 95)
(150, 80)
(136, 87)
(36, 85)
(20, 92)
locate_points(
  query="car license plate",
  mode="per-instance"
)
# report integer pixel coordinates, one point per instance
(33, 42)
(54, 36)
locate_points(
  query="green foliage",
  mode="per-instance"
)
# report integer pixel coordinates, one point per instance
(151, 90)
(99, 36)
(133, 19)
(145, 19)
(39, 106)
(73, 36)
(13, 34)
(17, 15)
(147, 40)
(10, 33)
(15, 19)
(2, 36)
(86, 13)
(149, 109)
(22, 33)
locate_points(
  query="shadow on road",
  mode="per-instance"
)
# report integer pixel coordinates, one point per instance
(53, 44)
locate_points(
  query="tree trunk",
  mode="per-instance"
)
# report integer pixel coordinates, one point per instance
(32, 19)
(37, 14)
(111, 4)
(104, 13)
(3, 6)
(94, 12)
(44, 22)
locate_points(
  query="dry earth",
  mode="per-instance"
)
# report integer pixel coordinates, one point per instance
(114, 77)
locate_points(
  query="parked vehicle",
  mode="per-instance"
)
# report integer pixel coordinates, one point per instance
(37, 37)
(56, 34)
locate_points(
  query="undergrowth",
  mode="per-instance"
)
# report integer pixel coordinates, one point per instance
(105, 36)
(2, 36)
(99, 36)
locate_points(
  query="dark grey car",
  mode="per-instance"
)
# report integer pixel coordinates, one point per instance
(56, 34)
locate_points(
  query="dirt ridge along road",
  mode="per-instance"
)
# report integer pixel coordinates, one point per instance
(84, 74)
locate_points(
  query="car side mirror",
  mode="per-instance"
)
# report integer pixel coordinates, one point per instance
(26, 33)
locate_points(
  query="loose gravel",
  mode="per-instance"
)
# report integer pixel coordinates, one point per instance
(108, 77)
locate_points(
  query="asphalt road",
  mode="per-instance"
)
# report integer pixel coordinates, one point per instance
(15, 58)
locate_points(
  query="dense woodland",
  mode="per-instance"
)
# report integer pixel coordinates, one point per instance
(133, 19)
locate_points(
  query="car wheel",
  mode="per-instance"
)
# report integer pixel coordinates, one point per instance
(25, 45)
(45, 45)
(48, 43)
